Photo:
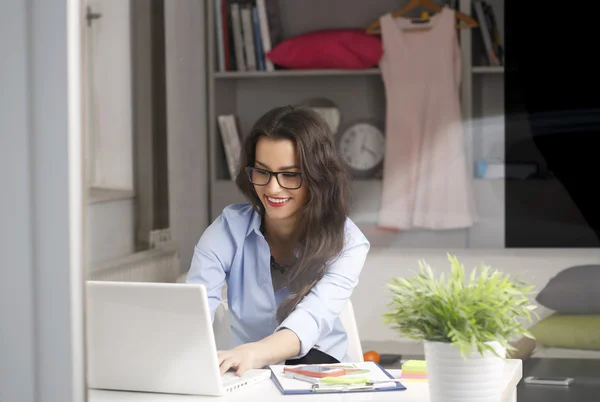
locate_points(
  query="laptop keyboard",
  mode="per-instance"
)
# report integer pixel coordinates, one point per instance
(231, 382)
(229, 376)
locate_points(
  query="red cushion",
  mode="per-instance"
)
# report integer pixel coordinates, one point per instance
(335, 48)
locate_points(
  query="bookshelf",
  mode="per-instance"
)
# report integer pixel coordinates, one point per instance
(483, 118)
(358, 94)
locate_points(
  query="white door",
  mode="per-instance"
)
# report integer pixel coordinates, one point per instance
(109, 95)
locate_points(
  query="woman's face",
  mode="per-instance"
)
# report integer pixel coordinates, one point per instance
(279, 155)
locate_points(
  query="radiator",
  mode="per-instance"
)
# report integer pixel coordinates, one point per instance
(160, 264)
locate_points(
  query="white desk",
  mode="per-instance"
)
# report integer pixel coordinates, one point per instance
(268, 392)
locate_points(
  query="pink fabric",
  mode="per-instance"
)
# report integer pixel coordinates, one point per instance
(426, 183)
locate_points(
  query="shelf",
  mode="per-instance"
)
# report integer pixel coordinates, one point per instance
(293, 73)
(328, 72)
(488, 69)
(99, 195)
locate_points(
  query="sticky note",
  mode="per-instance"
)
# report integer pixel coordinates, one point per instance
(415, 366)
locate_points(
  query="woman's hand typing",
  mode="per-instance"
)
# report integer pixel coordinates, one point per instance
(242, 358)
(275, 348)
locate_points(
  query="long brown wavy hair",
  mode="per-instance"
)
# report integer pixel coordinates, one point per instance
(322, 219)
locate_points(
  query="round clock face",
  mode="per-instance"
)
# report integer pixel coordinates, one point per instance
(362, 146)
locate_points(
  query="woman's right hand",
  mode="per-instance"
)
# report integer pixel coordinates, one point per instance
(242, 358)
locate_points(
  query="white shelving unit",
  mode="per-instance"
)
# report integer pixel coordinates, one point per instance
(483, 117)
(249, 94)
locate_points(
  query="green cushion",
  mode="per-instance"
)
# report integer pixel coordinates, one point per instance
(568, 331)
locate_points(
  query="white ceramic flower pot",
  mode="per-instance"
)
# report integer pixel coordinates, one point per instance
(454, 379)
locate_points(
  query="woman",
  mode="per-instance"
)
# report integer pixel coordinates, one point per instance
(291, 257)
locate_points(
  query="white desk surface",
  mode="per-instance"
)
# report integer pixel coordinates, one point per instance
(267, 391)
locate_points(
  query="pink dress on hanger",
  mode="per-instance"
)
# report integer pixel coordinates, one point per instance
(426, 182)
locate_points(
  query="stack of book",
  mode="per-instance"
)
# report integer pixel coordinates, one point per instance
(246, 30)
(490, 33)
(414, 370)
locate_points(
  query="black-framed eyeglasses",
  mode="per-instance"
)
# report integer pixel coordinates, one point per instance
(262, 177)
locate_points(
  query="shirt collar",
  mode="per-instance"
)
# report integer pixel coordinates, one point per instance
(255, 224)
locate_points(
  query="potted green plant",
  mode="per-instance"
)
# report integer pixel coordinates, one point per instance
(465, 323)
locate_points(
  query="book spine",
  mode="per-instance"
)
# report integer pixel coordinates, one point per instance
(238, 39)
(248, 34)
(260, 60)
(264, 33)
(219, 34)
(226, 29)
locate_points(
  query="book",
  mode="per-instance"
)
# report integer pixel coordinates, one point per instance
(228, 126)
(260, 57)
(227, 34)
(265, 34)
(219, 33)
(485, 32)
(248, 36)
(238, 39)
(358, 378)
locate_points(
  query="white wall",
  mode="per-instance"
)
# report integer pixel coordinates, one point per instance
(109, 127)
(109, 100)
(41, 309)
(187, 127)
(110, 231)
(370, 298)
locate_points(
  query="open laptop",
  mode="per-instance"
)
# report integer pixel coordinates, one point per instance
(155, 337)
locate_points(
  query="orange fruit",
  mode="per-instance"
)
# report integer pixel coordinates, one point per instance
(372, 356)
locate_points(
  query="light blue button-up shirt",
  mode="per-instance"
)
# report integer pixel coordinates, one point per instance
(233, 250)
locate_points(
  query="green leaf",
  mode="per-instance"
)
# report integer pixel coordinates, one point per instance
(465, 311)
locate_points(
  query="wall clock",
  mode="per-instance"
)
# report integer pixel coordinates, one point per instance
(362, 146)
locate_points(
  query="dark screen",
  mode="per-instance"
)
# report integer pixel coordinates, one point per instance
(552, 112)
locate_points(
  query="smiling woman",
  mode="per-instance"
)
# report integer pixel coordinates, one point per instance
(295, 236)
(287, 190)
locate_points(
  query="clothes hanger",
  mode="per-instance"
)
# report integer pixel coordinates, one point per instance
(374, 28)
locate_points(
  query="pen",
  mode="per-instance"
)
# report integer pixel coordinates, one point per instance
(350, 381)
(316, 388)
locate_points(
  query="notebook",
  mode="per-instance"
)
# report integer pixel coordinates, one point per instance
(350, 382)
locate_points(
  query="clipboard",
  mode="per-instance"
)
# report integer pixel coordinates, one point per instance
(371, 370)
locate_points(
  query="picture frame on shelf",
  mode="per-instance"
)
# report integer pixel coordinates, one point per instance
(328, 110)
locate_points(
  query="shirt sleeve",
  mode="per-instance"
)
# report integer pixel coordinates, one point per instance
(211, 261)
(316, 314)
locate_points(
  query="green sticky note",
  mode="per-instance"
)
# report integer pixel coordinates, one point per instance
(415, 365)
(344, 380)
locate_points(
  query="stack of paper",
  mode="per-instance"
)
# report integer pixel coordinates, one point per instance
(414, 370)
(359, 377)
